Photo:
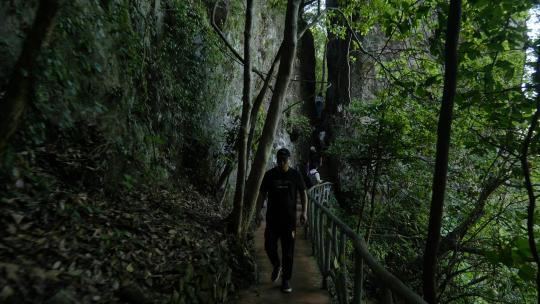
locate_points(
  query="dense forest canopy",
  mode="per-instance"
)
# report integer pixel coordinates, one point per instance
(387, 141)
(433, 148)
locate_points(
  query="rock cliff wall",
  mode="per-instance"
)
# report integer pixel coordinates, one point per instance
(147, 83)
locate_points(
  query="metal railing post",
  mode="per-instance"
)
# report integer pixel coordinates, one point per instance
(313, 229)
(357, 288)
(387, 296)
(320, 252)
(329, 233)
(343, 265)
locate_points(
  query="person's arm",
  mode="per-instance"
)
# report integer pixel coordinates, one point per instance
(263, 191)
(258, 208)
(318, 177)
(304, 201)
(260, 202)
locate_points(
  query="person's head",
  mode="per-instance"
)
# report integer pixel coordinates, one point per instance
(283, 159)
(312, 149)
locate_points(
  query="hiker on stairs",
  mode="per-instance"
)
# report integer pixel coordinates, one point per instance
(314, 176)
(282, 184)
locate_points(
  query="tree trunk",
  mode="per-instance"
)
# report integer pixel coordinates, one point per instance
(20, 82)
(274, 111)
(337, 61)
(221, 183)
(364, 196)
(373, 191)
(527, 175)
(337, 93)
(450, 241)
(307, 62)
(441, 159)
(229, 167)
(259, 100)
(236, 223)
(323, 73)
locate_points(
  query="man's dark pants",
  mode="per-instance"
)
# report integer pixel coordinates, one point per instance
(286, 235)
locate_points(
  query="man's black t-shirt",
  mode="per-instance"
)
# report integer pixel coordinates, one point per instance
(282, 189)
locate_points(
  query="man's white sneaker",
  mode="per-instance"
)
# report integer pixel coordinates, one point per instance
(286, 286)
(275, 274)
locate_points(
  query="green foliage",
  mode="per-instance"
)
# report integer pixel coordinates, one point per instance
(388, 143)
(320, 40)
(129, 181)
(278, 4)
(298, 125)
(208, 281)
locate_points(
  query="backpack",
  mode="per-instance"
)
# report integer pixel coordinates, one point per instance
(312, 176)
(307, 180)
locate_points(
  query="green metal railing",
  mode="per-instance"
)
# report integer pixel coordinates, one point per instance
(329, 238)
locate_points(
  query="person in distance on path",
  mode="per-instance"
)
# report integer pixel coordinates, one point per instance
(282, 184)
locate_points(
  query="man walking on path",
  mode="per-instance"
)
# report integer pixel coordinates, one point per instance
(281, 184)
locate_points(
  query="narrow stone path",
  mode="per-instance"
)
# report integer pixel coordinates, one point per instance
(305, 281)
